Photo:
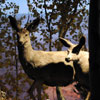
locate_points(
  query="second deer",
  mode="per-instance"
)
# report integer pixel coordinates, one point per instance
(80, 60)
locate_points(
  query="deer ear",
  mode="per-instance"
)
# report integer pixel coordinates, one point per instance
(79, 46)
(33, 25)
(65, 42)
(14, 23)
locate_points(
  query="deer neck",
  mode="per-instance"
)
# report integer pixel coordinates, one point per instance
(25, 51)
(27, 47)
(28, 51)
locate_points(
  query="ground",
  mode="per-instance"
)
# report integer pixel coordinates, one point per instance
(67, 92)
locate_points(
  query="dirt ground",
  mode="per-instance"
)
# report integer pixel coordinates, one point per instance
(67, 92)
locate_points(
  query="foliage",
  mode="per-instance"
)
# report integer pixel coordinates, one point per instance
(59, 18)
(8, 52)
(62, 18)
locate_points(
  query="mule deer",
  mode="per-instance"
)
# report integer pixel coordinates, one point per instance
(43, 67)
(80, 60)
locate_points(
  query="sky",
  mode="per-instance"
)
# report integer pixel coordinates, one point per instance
(22, 5)
(23, 8)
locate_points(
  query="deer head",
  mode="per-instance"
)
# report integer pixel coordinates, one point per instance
(23, 33)
(73, 50)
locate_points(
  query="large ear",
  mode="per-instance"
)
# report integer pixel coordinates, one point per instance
(14, 23)
(65, 42)
(79, 46)
(33, 25)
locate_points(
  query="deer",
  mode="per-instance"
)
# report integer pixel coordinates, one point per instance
(44, 67)
(80, 59)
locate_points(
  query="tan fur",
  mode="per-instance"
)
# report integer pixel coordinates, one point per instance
(80, 61)
(43, 67)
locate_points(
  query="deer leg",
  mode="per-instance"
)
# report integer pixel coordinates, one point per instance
(88, 96)
(30, 91)
(59, 94)
(39, 87)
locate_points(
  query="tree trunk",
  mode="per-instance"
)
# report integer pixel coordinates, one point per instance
(94, 48)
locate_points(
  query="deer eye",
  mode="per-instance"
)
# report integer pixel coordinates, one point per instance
(26, 34)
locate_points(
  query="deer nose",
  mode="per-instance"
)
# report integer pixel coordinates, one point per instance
(67, 59)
